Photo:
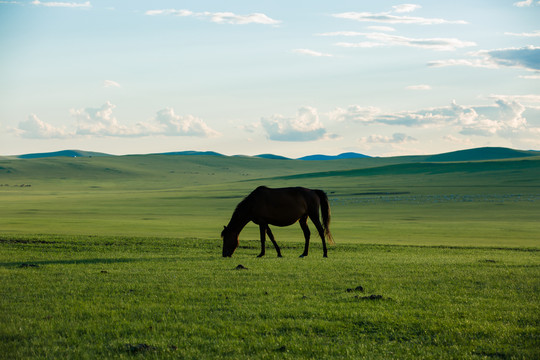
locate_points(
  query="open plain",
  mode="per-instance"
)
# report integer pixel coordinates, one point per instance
(120, 257)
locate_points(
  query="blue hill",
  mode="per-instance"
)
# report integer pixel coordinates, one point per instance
(63, 153)
(347, 155)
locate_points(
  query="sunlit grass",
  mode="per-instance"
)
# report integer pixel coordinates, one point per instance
(95, 297)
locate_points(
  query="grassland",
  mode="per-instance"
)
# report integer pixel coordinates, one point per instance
(119, 257)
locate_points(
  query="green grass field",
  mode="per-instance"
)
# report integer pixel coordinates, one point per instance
(120, 257)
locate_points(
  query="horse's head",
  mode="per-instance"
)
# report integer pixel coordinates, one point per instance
(230, 241)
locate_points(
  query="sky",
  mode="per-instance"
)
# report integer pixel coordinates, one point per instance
(293, 78)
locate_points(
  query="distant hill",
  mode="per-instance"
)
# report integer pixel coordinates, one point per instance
(63, 153)
(484, 153)
(347, 155)
(204, 153)
(478, 154)
(272, 156)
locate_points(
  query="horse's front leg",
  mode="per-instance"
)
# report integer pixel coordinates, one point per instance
(271, 236)
(262, 230)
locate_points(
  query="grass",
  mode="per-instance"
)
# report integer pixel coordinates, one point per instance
(111, 297)
(120, 258)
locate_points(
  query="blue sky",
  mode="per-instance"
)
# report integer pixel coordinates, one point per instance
(286, 77)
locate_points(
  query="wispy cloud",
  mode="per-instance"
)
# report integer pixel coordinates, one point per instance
(312, 53)
(530, 77)
(406, 8)
(396, 138)
(524, 3)
(219, 17)
(306, 126)
(383, 39)
(535, 33)
(62, 4)
(526, 57)
(377, 28)
(110, 83)
(418, 87)
(389, 18)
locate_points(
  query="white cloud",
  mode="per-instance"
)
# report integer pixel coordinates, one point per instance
(384, 39)
(396, 138)
(527, 57)
(110, 83)
(535, 33)
(405, 8)
(380, 39)
(524, 3)
(100, 122)
(529, 99)
(342, 33)
(306, 126)
(171, 124)
(531, 77)
(462, 62)
(62, 4)
(387, 17)
(455, 140)
(35, 128)
(219, 17)
(381, 28)
(504, 117)
(362, 45)
(418, 87)
(312, 53)
(355, 114)
(231, 18)
(169, 12)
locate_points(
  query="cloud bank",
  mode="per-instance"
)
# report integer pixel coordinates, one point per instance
(101, 122)
(503, 118)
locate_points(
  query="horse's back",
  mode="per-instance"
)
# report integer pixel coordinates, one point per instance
(280, 206)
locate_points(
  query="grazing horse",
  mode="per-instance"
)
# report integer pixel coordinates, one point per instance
(280, 207)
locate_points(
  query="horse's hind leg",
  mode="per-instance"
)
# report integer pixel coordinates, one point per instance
(318, 225)
(262, 230)
(305, 229)
(271, 236)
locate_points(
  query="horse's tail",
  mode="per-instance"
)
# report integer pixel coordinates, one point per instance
(325, 211)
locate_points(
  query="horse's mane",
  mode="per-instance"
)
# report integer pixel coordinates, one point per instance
(247, 201)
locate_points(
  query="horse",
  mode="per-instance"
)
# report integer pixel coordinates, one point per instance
(280, 207)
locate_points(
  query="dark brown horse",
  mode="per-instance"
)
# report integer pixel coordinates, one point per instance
(280, 207)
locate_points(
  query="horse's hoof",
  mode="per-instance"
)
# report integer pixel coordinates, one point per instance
(279, 255)
(260, 255)
(303, 255)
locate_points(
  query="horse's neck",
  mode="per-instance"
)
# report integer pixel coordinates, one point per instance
(238, 220)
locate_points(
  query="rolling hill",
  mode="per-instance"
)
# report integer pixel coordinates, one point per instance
(476, 154)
